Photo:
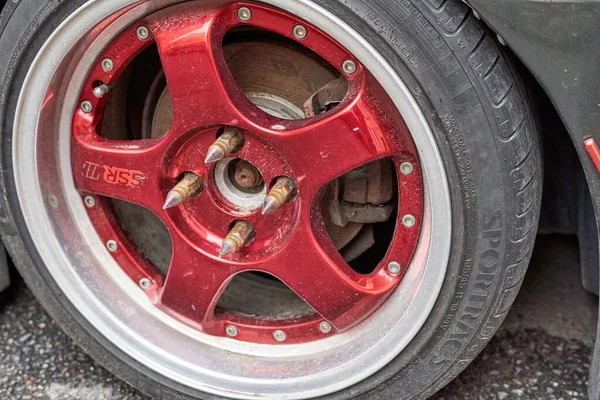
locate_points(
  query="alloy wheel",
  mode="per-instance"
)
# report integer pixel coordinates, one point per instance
(295, 158)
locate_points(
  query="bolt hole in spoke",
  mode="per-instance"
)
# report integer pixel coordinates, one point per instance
(360, 211)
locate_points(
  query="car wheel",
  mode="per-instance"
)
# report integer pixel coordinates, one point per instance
(284, 199)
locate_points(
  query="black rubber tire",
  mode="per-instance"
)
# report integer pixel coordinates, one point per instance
(477, 106)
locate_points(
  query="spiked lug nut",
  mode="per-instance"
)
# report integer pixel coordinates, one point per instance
(189, 186)
(280, 193)
(240, 236)
(229, 142)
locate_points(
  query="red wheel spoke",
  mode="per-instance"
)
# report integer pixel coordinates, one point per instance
(202, 89)
(325, 281)
(332, 144)
(194, 282)
(124, 170)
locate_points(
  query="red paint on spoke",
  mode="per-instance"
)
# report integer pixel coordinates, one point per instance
(203, 92)
(193, 284)
(124, 170)
(291, 244)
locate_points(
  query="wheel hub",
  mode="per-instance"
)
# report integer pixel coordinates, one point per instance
(247, 176)
(243, 187)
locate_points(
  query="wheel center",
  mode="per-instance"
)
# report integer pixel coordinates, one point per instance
(241, 184)
(246, 176)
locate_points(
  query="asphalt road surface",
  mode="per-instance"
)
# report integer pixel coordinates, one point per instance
(542, 351)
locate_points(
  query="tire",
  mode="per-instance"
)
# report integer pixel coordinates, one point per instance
(477, 107)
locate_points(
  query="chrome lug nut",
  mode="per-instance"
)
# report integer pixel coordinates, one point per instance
(89, 201)
(349, 67)
(407, 168)
(108, 65)
(409, 221)
(281, 192)
(325, 327)
(230, 141)
(143, 33)
(189, 186)
(101, 90)
(244, 14)
(86, 106)
(241, 235)
(112, 245)
(279, 336)
(231, 331)
(145, 283)
(300, 32)
(394, 268)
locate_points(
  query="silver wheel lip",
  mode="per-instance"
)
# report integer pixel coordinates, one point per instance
(84, 286)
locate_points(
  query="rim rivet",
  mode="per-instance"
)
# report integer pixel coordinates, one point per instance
(231, 331)
(300, 32)
(407, 168)
(108, 65)
(325, 327)
(244, 13)
(142, 32)
(189, 186)
(86, 106)
(101, 90)
(89, 201)
(145, 283)
(279, 336)
(239, 236)
(409, 221)
(112, 245)
(349, 67)
(281, 192)
(231, 141)
(394, 268)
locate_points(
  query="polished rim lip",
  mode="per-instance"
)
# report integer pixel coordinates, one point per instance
(79, 289)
